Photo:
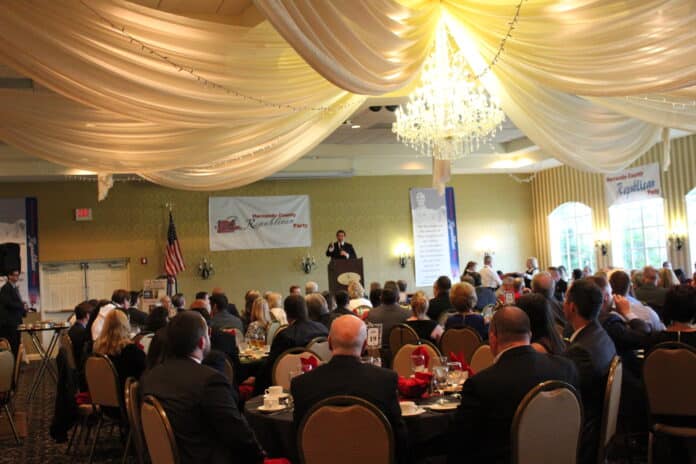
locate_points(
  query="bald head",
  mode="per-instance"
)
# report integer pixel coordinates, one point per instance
(509, 327)
(347, 336)
(199, 304)
(543, 283)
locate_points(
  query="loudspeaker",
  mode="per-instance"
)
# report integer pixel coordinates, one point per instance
(9, 258)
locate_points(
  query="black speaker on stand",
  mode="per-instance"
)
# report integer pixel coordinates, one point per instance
(9, 258)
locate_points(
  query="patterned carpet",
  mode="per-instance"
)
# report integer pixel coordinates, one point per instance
(38, 447)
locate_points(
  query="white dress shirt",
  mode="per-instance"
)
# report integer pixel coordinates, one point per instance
(98, 323)
(490, 278)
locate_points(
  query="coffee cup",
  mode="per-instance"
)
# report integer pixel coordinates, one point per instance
(270, 402)
(408, 407)
(274, 391)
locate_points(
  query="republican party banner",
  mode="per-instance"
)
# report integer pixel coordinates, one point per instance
(19, 229)
(435, 247)
(634, 184)
(247, 223)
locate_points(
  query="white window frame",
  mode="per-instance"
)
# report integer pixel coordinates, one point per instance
(580, 212)
(620, 223)
(690, 200)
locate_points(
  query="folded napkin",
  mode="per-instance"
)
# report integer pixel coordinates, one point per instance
(462, 360)
(83, 398)
(276, 461)
(422, 351)
(230, 331)
(309, 363)
(414, 387)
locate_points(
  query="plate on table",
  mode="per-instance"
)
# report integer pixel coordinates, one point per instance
(443, 407)
(263, 408)
(452, 389)
(417, 412)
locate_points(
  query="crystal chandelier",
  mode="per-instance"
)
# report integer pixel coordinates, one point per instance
(450, 115)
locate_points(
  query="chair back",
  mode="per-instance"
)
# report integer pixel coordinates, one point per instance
(159, 436)
(400, 335)
(482, 359)
(271, 332)
(287, 362)
(550, 413)
(401, 363)
(229, 370)
(132, 400)
(4, 344)
(103, 382)
(320, 347)
(464, 340)
(67, 347)
(146, 340)
(667, 396)
(610, 412)
(323, 431)
(7, 363)
(18, 366)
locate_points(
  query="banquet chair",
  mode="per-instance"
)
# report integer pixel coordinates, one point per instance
(105, 391)
(401, 363)
(320, 347)
(287, 362)
(18, 367)
(400, 335)
(322, 433)
(229, 371)
(7, 368)
(667, 397)
(158, 432)
(132, 402)
(551, 412)
(84, 411)
(610, 411)
(146, 340)
(482, 358)
(464, 340)
(4, 345)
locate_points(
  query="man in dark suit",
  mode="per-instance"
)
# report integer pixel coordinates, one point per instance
(592, 350)
(543, 284)
(198, 400)
(299, 332)
(389, 314)
(222, 318)
(649, 293)
(481, 427)
(78, 333)
(346, 375)
(340, 249)
(440, 304)
(342, 301)
(12, 310)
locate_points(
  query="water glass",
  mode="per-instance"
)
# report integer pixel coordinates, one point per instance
(418, 363)
(440, 381)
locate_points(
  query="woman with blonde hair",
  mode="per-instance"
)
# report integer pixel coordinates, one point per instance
(260, 318)
(357, 296)
(114, 341)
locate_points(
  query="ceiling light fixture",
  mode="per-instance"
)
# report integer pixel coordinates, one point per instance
(450, 115)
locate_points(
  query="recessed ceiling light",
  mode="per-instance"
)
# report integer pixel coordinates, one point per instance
(355, 126)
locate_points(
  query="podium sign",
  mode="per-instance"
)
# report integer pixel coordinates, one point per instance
(344, 271)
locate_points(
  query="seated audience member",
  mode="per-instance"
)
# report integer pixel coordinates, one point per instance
(260, 318)
(114, 341)
(426, 328)
(221, 317)
(507, 294)
(680, 311)
(346, 375)
(200, 405)
(374, 286)
(179, 302)
(592, 351)
(166, 303)
(545, 337)
(463, 298)
(376, 297)
(78, 333)
(318, 310)
(330, 303)
(311, 287)
(649, 293)
(357, 296)
(543, 284)
(620, 285)
(667, 278)
(299, 332)
(560, 285)
(389, 313)
(440, 304)
(342, 304)
(205, 297)
(119, 300)
(231, 307)
(403, 296)
(294, 290)
(485, 296)
(249, 297)
(481, 428)
(157, 319)
(576, 274)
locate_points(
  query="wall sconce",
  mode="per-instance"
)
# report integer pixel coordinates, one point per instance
(676, 240)
(205, 269)
(308, 263)
(403, 252)
(485, 245)
(602, 246)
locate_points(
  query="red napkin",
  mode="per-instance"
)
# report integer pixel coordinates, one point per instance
(83, 398)
(246, 391)
(230, 331)
(414, 387)
(276, 461)
(422, 351)
(462, 360)
(309, 363)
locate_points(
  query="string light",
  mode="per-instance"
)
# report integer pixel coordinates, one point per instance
(676, 105)
(503, 41)
(524, 181)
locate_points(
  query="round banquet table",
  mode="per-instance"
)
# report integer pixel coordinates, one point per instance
(427, 432)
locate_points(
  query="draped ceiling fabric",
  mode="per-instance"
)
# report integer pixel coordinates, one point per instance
(201, 105)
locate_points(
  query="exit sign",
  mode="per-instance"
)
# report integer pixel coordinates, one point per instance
(83, 214)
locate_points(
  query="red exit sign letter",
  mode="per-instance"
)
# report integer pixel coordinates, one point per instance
(83, 214)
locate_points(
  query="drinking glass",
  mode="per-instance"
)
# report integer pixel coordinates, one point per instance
(455, 373)
(440, 380)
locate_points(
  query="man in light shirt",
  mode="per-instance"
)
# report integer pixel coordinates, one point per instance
(489, 278)
(119, 299)
(620, 283)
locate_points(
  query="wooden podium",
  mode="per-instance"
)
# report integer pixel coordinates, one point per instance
(342, 272)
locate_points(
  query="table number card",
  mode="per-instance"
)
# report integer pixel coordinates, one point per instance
(374, 335)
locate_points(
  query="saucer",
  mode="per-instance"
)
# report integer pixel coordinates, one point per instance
(417, 412)
(443, 407)
(263, 408)
(280, 397)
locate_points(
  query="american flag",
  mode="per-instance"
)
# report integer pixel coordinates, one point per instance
(173, 259)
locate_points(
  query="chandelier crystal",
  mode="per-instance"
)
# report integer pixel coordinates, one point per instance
(450, 115)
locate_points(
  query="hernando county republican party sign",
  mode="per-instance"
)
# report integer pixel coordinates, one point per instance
(245, 223)
(634, 184)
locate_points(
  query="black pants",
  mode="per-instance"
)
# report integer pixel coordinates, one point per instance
(12, 336)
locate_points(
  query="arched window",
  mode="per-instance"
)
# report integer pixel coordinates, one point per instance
(638, 234)
(572, 244)
(691, 219)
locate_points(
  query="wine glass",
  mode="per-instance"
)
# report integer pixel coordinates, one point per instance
(454, 373)
(440, 380)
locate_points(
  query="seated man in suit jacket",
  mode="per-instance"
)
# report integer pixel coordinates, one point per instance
(592, 350)
(346, 375)
(299, 332)
(198, 400)
(481, 428)
(78, 333)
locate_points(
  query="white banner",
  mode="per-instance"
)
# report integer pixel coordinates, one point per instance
(246, 223)
(634, 184)
(435, 248)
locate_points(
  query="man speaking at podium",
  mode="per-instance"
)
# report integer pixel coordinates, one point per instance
(340, 249)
